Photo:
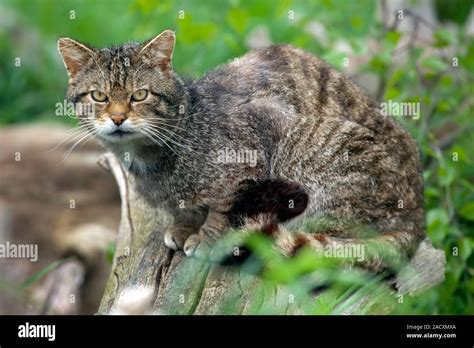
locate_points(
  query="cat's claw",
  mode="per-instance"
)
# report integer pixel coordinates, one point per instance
(175, 237)
(198, 248)
(191, 244)
(202, 249)
(170, 242)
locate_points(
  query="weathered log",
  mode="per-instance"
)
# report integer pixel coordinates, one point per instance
(147, 277)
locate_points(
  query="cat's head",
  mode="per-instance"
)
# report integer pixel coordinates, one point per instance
(131, 89)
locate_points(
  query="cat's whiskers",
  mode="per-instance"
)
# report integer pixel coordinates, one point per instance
(186, 146)
(188, 143)
(163, 122)
(80, 130)
(151, 134)
(68, 135)
(71, 131)
(161, 126)
(187, 116)
(164, 137)
(175, 130)
(87, 134)
(159, 142)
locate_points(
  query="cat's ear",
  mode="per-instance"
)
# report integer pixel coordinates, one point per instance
(159, 50)
(74, 54)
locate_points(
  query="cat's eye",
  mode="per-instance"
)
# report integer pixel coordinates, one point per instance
(98, 96)
(139, 95)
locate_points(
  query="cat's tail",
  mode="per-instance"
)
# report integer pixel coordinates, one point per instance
(263, 205)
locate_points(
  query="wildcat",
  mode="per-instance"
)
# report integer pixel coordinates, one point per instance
(188, 144)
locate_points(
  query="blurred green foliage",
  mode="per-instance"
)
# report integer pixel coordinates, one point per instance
(438, 74)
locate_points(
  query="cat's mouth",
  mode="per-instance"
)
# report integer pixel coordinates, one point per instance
(120, 134)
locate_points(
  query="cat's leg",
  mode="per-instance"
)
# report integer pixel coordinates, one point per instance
(185, 224)
(230, 212)
(199, 244)
(259, 206)
(270, 200)
(176, 235)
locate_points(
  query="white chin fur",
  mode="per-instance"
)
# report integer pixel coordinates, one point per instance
(120, 139)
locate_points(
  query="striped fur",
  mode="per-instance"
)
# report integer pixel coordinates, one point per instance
(308, 124)
(261, 206)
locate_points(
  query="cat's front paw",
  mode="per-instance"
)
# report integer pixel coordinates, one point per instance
(170, 242)
(198, 247)
(191, 245)
(176, 236)
(202, 249)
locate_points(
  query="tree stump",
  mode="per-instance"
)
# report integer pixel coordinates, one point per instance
(147, 277)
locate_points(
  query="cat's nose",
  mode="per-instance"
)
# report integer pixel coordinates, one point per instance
(118, 119)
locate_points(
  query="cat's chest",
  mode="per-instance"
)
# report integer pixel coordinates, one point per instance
(132, 161)
(160, 186)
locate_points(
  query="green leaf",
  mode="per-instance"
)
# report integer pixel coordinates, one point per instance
(357, 22)
(461, 153)
(393, 37)
(397, 76)
(432, 192)
(447, 81)
(443, 106)
(381, 61)
(335, 58)
(465, 248)
(38, 275)
(444, 38)
(427, 174)
(237, 19)
(467, 211)
(435, 64)
(110, 252)
(437, 222)
(446, 174)
(392, 93)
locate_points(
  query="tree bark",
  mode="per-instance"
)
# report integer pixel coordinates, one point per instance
(147, 277)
